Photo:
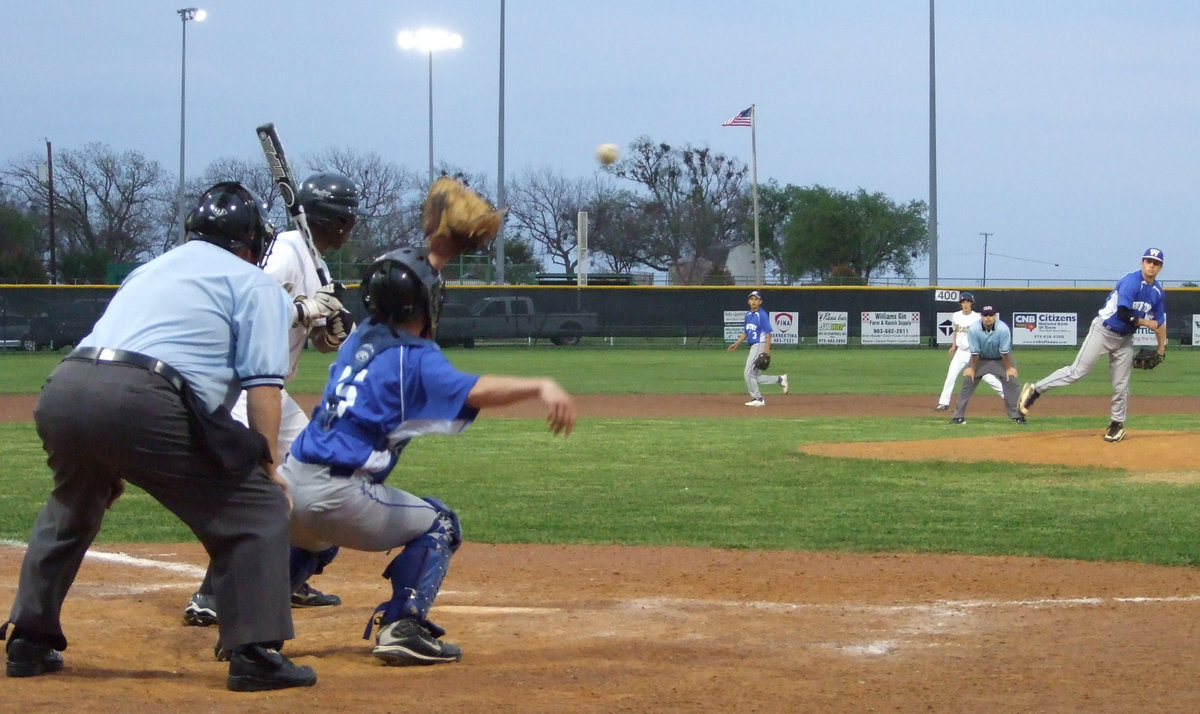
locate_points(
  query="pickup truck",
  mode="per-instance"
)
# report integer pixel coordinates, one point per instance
(510, 318)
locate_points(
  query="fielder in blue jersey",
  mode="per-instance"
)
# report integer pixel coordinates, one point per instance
(389, 385)
(990, 343)
(1138, 300)
(756, 332)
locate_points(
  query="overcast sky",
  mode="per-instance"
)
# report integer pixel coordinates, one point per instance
(1067, 129)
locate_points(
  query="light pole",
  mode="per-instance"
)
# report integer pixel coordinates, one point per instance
(429, 41)
(185, 14)
(985, 237)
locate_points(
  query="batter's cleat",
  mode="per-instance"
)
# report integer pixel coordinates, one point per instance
(201, 610)
(406, 642)
(255, 668)
(756, 403)
(942, 408)
(308, 596)
(1116, 432)
(1028, 396)
(783, 383)
(29, 659)
(1020, 420)
(958, 420)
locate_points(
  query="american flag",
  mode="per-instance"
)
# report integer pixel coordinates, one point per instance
(742, 118)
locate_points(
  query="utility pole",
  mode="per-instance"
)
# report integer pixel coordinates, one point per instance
(985, 237)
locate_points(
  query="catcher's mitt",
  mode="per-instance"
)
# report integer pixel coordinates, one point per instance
(1147, 358)
(762, 361)
(457, 220)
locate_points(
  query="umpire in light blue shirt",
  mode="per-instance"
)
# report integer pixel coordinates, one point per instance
(145, 398)
(991, 353)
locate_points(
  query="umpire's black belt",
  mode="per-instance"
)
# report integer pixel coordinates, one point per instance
(150, 364)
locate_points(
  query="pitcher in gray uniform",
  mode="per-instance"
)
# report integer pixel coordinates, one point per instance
(1138, 300)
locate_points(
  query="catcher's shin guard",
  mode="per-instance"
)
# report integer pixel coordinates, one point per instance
(304, 564)
(417, 572)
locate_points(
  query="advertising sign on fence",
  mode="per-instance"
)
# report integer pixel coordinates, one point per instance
(891, 328)
(944, 328)
(785, 326)
(1045, 328)
(832, 327)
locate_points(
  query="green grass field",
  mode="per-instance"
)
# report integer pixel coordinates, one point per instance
(737, 483)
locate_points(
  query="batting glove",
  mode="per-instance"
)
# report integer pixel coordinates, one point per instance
(322, 304)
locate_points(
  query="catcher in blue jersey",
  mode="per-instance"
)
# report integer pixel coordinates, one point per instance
(390, 384)
(1138, 300)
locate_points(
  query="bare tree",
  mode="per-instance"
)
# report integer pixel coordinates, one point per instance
(544, 206)
(695, 210)
(109, 206)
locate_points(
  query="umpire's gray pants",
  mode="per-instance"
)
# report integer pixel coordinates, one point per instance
(1099, 341)
(994, 367)
(103, 422)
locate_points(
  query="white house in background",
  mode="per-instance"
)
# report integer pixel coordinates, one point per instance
(741, 264)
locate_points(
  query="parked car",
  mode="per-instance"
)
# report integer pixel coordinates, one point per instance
(14, 330)
(508, 318)
(64, 323)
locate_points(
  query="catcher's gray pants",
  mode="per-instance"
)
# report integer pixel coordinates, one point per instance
(994, 367)
(350, 511)
(1099, 341)
(754, 375)
(103, 422)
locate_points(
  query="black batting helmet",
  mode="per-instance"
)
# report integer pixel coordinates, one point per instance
(330, 201)
(401, 285)
(965, 296)
(230, 215)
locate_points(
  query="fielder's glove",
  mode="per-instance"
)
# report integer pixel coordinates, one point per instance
(1147, 358)
(323, 303)
(457, 220)
(762, 361)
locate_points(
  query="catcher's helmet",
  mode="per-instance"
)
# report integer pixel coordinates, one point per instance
(330, 201)
(230, 215)
(965, 296)
(401, 285)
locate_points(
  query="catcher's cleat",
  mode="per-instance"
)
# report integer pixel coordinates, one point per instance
(29, 659)
(308, 596)
(756, 403)
(1028, 396)
(958, 420)
(942, 408)
(407, 642)
(1116, 432)
(201, 610)
(783, 383)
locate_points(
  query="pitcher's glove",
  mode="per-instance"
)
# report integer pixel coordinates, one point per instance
(762, 361)
(457, 220)
(1147, 358)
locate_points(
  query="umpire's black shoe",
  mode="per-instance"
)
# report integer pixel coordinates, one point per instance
(29, 659)
(308, 596)
(255, 668)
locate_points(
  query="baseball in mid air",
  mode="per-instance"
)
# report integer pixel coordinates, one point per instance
(607, 153)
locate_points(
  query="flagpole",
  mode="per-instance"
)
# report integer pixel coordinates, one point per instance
(758, 266)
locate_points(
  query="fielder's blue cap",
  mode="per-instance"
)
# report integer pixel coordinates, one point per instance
(1153, 254)
(754, 293)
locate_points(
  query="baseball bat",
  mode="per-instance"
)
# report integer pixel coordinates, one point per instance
(285, 181)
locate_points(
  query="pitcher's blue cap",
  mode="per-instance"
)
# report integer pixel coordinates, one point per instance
(1153, 254)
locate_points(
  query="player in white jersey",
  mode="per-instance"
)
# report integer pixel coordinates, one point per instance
(330, 202)
(960, 351)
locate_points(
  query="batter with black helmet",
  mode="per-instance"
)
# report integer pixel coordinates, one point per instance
(391, 384)
(960, 351)
(145, 398)
(330, 202)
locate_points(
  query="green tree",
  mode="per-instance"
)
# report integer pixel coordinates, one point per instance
(848, 236)
(20, 255)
